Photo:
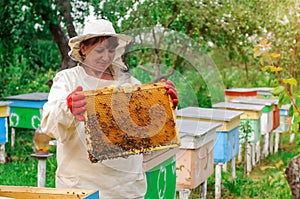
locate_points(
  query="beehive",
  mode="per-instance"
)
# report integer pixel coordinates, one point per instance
(126, 120)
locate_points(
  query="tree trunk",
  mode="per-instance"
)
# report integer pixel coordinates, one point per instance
(293, 176)
(59, 37)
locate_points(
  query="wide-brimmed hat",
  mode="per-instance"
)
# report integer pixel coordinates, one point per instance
(96, 28)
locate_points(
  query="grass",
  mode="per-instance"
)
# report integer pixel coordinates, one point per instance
(20, 169)
(267, 180)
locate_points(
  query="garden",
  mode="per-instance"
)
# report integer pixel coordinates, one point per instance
(213, 51)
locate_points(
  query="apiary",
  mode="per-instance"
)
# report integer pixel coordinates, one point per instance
(23, 192)
(126, 120)
(239, 92)
(195, 161)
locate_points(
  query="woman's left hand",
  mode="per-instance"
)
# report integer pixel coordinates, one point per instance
(171, 91)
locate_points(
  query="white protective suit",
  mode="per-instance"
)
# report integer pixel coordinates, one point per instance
(117, 178)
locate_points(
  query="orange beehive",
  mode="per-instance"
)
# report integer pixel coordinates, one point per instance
(126, 120)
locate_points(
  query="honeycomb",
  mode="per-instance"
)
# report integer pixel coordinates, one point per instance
(126, 120)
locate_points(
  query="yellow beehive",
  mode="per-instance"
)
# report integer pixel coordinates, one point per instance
(126, 120)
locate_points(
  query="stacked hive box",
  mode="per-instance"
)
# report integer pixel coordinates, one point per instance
(267, 120)
(26, 111)
(195, 161)
(4, 113)
(226, 144)
(239, 92)
(251, 115)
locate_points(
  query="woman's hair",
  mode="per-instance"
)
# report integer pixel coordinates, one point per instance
(112, 41)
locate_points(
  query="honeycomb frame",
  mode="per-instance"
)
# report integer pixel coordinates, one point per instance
(127, 120)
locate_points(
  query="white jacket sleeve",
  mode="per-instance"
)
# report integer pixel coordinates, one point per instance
(58, 121)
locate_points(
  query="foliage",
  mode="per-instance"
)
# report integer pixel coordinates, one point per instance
(19, 78)
(284, 90)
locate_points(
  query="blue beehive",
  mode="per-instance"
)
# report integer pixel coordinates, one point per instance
(4, 113)
(226, 144)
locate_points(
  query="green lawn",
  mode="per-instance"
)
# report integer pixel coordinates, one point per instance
(267, 180)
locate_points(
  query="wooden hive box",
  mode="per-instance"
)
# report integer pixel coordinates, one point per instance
(251, 114)
(195, 161)
(4, 108)
(284, 114)
(239, 92)
(26, 109)
(226, 144)
(126, 120)
(23, 192)
(267, 118)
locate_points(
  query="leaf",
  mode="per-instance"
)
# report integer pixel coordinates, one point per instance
(263, 168)
(291, 81)
(258, 53)
(277, 91)
(264, 42)
(275, 55)
(276, 69)
(271, 179)
(279, 164)
(266, 68)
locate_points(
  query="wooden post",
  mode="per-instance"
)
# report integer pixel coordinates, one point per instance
(240, 153)
(225, 167)
(253, 154)
(233, 171)
(184, 193)
(203, 193)
(2, 153)
(41, 168)
(277, 138)
(265, 151)
(218, 181)
(13, 132)
(249, 157)
(271, 142)
(258, 151)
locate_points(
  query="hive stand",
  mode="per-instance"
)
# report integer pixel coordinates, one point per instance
(283, 127)
(227, 141)
(251, 114)
(160, 168)
(26, 111)
(4, 113)
(41, 167)
(194, 162)
(266, 122)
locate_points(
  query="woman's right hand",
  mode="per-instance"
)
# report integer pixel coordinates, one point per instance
(76, 103)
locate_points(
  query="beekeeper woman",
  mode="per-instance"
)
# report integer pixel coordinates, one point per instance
(98, 52)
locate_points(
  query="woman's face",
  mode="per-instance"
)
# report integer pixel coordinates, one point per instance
(100, 55)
